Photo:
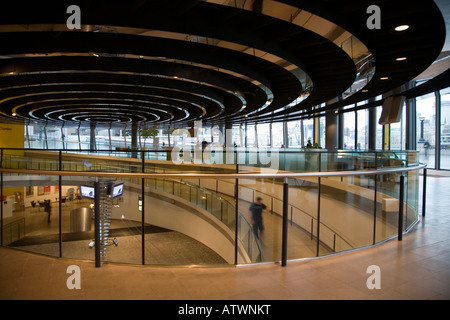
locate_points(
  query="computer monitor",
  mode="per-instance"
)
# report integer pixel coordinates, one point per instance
(117, 190)
(87, 192)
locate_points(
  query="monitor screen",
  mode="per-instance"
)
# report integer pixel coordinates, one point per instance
(87, 192)
(117, 190)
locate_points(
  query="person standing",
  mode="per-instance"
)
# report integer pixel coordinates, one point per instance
(48, 209)
(256, 210)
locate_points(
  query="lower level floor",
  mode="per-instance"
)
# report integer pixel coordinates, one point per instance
(416, 268)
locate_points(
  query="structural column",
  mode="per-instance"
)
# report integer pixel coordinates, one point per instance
(134, 139)
(331, 128)
(92, 142)
(372, 134)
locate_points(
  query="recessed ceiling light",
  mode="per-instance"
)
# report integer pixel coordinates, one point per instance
(402, 27)
(384, 78)
(365, 90)
(401, 59)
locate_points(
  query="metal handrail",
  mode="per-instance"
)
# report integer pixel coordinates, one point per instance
(315, 174)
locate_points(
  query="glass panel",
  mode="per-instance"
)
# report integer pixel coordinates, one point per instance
(256, 229)
(363, 143)
(322, 132)
(445, 130)
(349, 130)
(78, 222)
(302, 213)
(308, 127)
(30, 213)
(426, 123)
(387, 206)
(398, 133)
(379, 131)
(295, 134)
(411, 198)
(263, 135)
(277, 135)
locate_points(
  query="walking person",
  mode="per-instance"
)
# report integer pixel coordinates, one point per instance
(256, 210)
(48, 209)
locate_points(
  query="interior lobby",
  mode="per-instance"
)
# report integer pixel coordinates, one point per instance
(225, 150)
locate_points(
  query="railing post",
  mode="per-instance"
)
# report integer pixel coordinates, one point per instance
(1, 199)
(400, 209)
(97, 224)
(143, 209)
(236, 212)
(375, 179)
(285, 223)
(318, 218)
(424, 192)
(60, 205)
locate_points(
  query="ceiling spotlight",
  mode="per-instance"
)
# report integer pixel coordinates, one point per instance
(13, 114)
(384, 78)
(401, 59)
(402, 27)
(365, 90)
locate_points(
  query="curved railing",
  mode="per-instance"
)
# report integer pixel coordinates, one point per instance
(391, 192)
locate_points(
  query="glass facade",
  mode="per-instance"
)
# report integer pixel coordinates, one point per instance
(432, 137)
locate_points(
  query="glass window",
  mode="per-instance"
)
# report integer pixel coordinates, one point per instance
(398, 133)
(349, 130)
(426, 125)
(445, 129)
(363, 129)
(322, 132)
(308, 127)
(277, 134)
(250, 134)
(236, 136)
(263, 132)
(294, 134)
(379, 141)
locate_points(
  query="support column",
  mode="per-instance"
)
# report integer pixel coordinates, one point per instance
(411, 123)
(331, 128)
(437, 148)
(134, 139)
(387, 137)
(92, 142)
(285, 135)
(372, 134)
(284, 242)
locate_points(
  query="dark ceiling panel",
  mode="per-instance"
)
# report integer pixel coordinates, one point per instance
(175, 61)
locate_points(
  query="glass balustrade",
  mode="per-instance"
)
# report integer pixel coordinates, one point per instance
(342, 204)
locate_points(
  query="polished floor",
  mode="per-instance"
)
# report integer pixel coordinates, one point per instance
(416, 268)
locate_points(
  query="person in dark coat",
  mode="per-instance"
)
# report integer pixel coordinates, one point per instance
(48, 209)
(256, 210)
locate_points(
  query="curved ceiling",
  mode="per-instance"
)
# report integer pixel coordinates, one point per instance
(172, 62)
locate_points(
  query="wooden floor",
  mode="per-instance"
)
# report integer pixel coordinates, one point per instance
(416, 268)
